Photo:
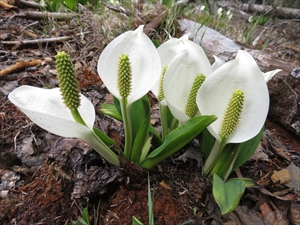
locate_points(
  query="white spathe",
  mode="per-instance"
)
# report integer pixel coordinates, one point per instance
(218, 62)
(144, 59)
(268, 75)
(180, 77)
(213, 96)
(167, 51)
(45, 107)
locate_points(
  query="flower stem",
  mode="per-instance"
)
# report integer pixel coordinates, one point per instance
(163, 120)
(77, 117)
(214, 155)
(236, 150)
(96, 143)
(125, 109)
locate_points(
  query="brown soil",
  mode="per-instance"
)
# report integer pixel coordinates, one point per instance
(47, 179)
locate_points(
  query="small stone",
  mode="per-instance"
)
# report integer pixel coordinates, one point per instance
(296, 72)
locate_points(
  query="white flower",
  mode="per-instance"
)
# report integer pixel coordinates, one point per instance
(213, 97)
(218, 62)
(229, 14)
(144, 60)
(220, 11)
(167, 51)
(45, 108)
(268, 75)
(180, 77)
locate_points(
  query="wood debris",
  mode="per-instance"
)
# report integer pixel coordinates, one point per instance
(19, 66)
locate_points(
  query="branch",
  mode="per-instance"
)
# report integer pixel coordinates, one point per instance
(280, 12)
(19, 66)
(43, 40)
(117, 9)
(33, 5)
(154, 24)
(42, 15)
(217, 44)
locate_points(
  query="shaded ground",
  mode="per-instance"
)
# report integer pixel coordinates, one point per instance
(46, 179)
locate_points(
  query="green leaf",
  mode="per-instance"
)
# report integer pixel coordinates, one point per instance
(107, 140)
(156, 138)
(53, 5)
(135, 221)
(111, 110)
(227, 194)
(248, 182)
(177, 139)
(115, 112)
(150, 203)
(247, 149)
(172, 121)
(85, 216)
(156, 43)
(71, 4)
(137, 113)
(146, 148)
(206, 141)
(142, 134)
(117, 105)
(225, 161)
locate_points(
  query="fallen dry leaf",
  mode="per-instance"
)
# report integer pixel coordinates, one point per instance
(282, 177)
(6, 6)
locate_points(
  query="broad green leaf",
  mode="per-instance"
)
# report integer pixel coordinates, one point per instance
(145, 149)
(177, 139)
(156, 138)
(137, 113)
(227, 194)
(142, 134)
(135, 221)
(71, 4)
(107, 140)
(247, 149)
(248, 182)
(115, 112)
(156, 43)
(110, 110)
(206, 141)
(172, 121)
(225, 161)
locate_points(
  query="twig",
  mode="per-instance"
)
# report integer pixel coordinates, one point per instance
(19, 66)
(42, 15)
(29, 25)
(43, 40)
(117, 9)
(280, 12)
(154, 24)
(31, 4)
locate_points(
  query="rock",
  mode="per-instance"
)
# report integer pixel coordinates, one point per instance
(284, 88)
(285, 102)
